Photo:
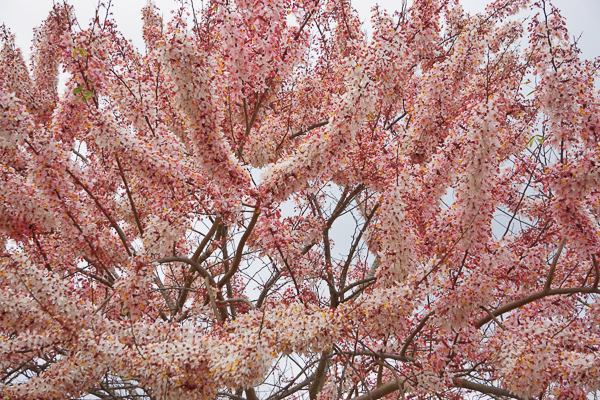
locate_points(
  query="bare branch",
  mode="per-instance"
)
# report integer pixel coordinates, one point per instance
(414, 333)
(240, 250)
(113, 223)
(531, 298)
(554, 262)
(211, 296)
(205, 274)
(494, 318)
(477, 387)
(135, 213)
(308, 129)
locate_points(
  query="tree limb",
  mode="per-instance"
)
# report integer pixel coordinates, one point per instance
(531, 298)
(478, 387)
(554, 262)
(410, 338)
(240, 250)
(135, 213)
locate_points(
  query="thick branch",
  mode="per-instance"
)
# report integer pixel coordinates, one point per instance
(238, 300)
(358, 283)
(78, 154)
(251, 394)
(240, 250)
(190, 279)
(531, 298)
(95, 277)
(396, 120)
(380, 391)
(380, 355)
(342, 204)
(206, 239)
(268, 285)
(165, 295)
(320, 375)
(494, 318)
(478, 387)
(211, 297)
(191, 262)
(308, 129)
(391, 387)
(553, 266)
(596, 270)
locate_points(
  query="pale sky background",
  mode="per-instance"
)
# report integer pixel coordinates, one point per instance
(21, 16)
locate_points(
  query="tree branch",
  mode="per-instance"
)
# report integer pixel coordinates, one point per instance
(531, 298)
(308, 129)
(191, 262)
(103, 210)
(494, 318)
(320, 375)
(206, 239)
(238, 300)
(413, 334)
(478, 387)
(596, 270)
(135, 213)
(211, 297)
(554, 262)
(381, 391)
(240, 250)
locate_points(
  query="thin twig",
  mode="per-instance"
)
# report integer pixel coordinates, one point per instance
(135, 213)
(414, 333)
(113, 223)
(554, 262)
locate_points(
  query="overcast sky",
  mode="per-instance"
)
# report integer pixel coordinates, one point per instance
(21, 16)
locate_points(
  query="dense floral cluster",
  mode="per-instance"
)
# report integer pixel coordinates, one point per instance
(267, 203)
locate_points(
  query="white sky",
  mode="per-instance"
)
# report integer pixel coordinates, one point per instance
(21, 16)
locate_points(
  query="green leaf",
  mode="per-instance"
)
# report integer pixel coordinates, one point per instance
(537, 138)
(84, 94)
(80, 51)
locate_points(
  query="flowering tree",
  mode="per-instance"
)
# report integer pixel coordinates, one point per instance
(168, 224)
